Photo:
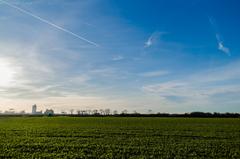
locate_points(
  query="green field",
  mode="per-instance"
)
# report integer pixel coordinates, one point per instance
(118, 137)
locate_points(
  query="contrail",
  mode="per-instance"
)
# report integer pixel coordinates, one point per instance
(49, 23)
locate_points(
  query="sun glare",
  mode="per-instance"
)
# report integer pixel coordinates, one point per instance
(6, 74)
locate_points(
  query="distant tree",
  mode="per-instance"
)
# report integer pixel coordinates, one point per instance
(215, 114)
(12, 110)
(95, 112)
(135, 112)
(63, 112)
(89, 111)
(78, 112)
(49, 112)
(72, 111)
(125, 111)
(115, 112)
(84, 112)
(107, 111)
(22, 112)
(149, 111)
(101, 111)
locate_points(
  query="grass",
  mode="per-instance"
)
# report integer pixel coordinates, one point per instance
(113, 137)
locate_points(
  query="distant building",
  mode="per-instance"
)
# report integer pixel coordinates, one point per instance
(49, 112)
(34, 110)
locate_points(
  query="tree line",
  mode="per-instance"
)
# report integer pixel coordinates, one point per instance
(126, 113)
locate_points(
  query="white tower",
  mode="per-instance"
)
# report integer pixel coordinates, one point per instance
(34, 109)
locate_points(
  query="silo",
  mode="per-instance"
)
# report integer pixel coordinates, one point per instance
(34, 109)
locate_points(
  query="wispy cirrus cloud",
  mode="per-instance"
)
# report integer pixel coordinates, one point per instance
(117, 58)
(154, 73)
(205, 86)
(57, 69)
(149, 42)
(53, 65)
(153, 38)
(221, 46)
(220, 42)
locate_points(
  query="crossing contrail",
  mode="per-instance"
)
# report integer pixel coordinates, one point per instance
(48, 22)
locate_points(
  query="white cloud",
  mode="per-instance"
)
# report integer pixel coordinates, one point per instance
(154, 73)
(153, 39)
(149, 42)
(81, 79)
(221, 46)
(219, 39)
(190, 90)
(224, 49)
(107, 71)
(173, 88)
(204, 85)
(117, 58)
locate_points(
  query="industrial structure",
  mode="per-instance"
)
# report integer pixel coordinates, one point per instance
(34, 110)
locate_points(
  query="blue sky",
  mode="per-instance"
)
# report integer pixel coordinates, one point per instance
(164, 55)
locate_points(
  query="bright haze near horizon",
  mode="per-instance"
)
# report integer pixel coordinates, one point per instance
(164, 55)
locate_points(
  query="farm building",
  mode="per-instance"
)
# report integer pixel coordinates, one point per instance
(49, 112)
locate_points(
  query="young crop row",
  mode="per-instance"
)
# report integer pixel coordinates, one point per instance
(64, 137)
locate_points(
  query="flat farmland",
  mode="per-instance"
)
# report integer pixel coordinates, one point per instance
(119, 137)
